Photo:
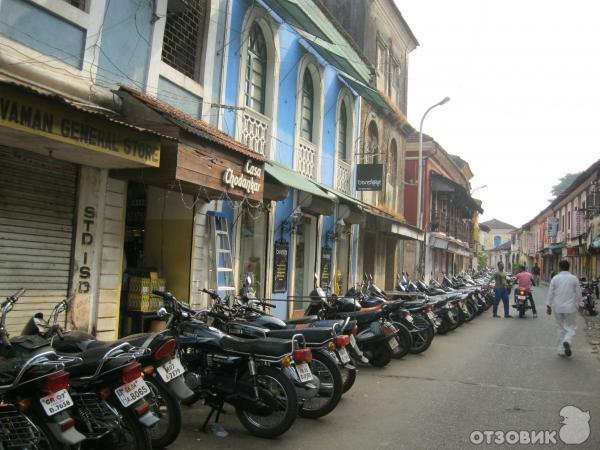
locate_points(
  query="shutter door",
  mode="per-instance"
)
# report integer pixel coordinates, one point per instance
(37, 204)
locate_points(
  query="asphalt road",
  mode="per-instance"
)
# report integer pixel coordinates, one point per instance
(490, 374)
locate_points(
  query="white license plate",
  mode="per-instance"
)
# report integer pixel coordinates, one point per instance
(57, 402)
(131, 392)
(410, 319)
(393, 343)
(304, 372)
(430, 315)
(520, 297)
(344, 356)
(171, 370)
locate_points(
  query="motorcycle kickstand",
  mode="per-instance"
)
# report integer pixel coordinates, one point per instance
(219, 409)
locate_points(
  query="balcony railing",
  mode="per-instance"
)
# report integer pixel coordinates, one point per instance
(255, 131)
(452, 226)
(307, 159)
(343, 177)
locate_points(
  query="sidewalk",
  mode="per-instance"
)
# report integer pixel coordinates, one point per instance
(592, 332)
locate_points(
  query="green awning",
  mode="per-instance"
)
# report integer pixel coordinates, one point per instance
(366, 92)
(311, 22)
(288, 177)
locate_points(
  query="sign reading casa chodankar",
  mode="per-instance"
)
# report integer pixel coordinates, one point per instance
(53, 120)
(246, 180)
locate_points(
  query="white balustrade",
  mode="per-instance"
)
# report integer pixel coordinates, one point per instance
(255, 131)
(307, 159)
(343, 177)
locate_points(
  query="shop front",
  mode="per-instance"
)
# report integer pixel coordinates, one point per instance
(60, 214)
(206, 183)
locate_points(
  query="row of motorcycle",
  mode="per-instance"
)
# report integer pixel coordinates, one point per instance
(66, 390)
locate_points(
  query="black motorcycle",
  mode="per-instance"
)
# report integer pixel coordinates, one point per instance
(36, 406)
(248, 374)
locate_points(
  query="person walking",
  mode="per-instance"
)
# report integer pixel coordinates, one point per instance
(565, 299)
(536, 274)
(500, 291)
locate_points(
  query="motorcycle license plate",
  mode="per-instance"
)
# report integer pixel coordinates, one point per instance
(131, 392)
(409, 319)
(57, 402)
(464, 308)
(344, 356)
(393, 343)
(304, 372)
(520, 297)
(430, 315)
(171, 370)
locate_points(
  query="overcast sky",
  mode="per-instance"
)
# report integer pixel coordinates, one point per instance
(523, 77)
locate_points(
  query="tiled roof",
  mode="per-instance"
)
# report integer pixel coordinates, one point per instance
(495, 224)
(191, 124)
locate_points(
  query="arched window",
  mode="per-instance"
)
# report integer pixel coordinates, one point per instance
(497, 241)
(256, 70)
(308, 106)
(373, 143)
(343, 133)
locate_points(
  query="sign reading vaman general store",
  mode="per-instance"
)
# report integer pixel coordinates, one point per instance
(40, 116)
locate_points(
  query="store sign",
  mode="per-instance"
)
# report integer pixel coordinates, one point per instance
(325, 267)
(280, 274)
(369, 177)
(246, 180)
(551, 227)
(43, 117)
(578, 223)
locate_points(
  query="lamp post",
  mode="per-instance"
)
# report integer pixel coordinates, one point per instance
(480, 187)
(420, 175)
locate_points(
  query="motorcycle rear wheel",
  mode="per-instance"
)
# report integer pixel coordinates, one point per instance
(47, 439)
(330, 377)
(404, 340)
(521, 311)
(270, 379)
(131, 434)
(423, 339)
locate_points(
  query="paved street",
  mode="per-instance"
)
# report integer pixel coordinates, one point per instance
(491, 374)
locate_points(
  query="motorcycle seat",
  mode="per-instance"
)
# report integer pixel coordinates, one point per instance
(91, 359)
(314, 336)
(362, 316)
(302, 320)
(271, 347)
(331, 323)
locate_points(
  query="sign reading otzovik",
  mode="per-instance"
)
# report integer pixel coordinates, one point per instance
(43, 117)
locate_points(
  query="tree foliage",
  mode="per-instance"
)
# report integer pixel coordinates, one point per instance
(563, 183)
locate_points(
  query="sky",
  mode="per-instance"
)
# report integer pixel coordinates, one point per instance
(524, 82)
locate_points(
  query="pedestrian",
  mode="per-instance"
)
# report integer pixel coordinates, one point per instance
(564, 296)
(536, 274)
(500, 291)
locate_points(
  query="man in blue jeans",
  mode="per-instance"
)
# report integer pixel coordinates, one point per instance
(500, 291)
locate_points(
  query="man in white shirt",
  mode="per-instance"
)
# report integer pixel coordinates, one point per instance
(564, 296)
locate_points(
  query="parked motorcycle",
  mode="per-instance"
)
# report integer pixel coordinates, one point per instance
(248, 374)
(36, 407)
(588, 289)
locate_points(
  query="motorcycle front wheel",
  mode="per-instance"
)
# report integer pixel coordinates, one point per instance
(330, 391)
(422, 340)
(381, 355)
(276, 388)
(166, 407)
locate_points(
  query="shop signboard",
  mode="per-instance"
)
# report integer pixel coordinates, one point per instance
(325, 266)
(51, 119)
(551, 226)
(280, 274)
(369, 177)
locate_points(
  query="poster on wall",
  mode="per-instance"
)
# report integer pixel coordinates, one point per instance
(325, 266)
(280, 274)
(369, 177)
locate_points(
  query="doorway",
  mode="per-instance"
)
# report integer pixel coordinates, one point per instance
(304, 262)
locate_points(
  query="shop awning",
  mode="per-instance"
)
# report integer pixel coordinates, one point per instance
(294, 180)
(350, 210)
(556, 247)
(441, 183)
(381, 221)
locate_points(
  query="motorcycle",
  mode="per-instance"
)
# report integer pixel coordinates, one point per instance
(36, 407)
(587, 290)
(108, 389)
(521, 303)
(248, 374)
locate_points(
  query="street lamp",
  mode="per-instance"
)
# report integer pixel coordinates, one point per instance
(480, 187)
(420, 175)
